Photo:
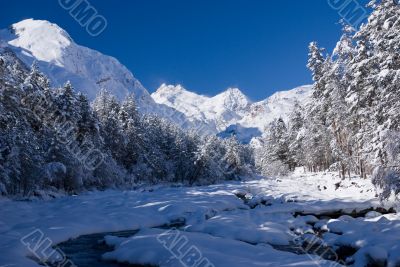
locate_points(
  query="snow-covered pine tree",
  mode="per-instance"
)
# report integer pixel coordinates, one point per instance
(315, 63)
(209, 167)
(296, 136)
(20, 149)
(130, 124)
(273, 156)
(107, 110)
(237, 159)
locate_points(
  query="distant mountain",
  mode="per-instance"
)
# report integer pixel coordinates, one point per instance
(231, 112)
(61, 59)
(217, 112)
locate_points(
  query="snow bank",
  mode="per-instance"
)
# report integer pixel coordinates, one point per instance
(98, 212)
(376, 239)
(174, 248)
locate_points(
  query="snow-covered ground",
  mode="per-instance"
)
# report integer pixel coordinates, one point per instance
(230, 224)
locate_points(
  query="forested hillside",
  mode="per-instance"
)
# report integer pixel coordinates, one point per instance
(53, 139)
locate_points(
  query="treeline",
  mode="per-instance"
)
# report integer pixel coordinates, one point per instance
(53, 139)
(352, 123)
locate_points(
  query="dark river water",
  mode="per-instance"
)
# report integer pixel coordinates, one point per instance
(86, 250)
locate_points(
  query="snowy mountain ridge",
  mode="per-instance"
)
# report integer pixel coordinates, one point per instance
(61, 59)
(231, 110)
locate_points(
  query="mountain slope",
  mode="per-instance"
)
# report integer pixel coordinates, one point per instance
(279, 105)
(61, 59)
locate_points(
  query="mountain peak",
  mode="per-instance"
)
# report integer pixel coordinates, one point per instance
(170, 94)
(170, 89)
(234, 90)
(46, 41)
(29, 25)
(233, 99)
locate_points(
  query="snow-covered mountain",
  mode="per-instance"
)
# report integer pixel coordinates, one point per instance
(61, 59)
(217, 112)
(231, 112)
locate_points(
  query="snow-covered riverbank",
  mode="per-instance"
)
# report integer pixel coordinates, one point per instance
(224, 228)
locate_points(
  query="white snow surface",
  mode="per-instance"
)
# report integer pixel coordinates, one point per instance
(147, 247)
(218, 223)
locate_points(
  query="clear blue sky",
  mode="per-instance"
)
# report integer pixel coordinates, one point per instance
(259, 46)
